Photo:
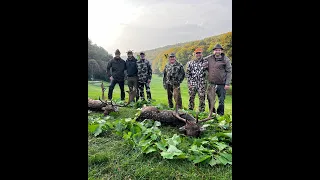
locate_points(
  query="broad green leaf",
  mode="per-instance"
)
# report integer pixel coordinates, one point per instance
(109, 124)
(154, 136)
(120, 127)
(127, 136)
(98, 131)
(167, 155)
(204, 142)
(173, 149)
(226, 156)
(194, 147)
(145, 142)
(161, 146)
(228, 134)
(213, 162)
(222, 160)
(92, 127)
(206, 125)
(150, 149)
(127, 119)
(201, 158)
(135, 129)
(182, 156)
(220, 146)
(157, 123)
(136, 137)
(174, 140)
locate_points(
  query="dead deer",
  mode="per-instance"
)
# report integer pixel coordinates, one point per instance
(192, 128)
(109, 107)
(100, 105)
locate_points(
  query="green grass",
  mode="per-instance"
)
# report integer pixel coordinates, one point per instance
(158, 94)
(109, 157)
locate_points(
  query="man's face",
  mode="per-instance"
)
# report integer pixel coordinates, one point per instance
(198, 55)
(117, 55)
(130, 55)
(142, 56)
(172, 59)
(217, 52)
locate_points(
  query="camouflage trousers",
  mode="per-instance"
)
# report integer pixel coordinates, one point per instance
(221, 92)
(174, 91)
(141, 90)
(202, 97)
(133, 85)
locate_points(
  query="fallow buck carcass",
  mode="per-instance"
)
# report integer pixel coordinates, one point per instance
(190, 126)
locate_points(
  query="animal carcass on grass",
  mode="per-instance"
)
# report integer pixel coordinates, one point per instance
(190, 125)
(100, 105)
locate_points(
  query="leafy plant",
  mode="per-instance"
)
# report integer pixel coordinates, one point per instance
(214, 148)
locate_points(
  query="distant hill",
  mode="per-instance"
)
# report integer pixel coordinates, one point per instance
(184, 51)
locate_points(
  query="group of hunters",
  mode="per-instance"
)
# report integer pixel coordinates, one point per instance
(209, 76)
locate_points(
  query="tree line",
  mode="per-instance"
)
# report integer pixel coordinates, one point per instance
(98, 57)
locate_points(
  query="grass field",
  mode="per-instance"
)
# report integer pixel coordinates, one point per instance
(158, 93)
(109, 157)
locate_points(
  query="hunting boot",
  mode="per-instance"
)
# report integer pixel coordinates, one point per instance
(220, 110)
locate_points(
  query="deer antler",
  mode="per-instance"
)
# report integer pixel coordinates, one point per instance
(102, 101)
(209, 117)
(175, 114)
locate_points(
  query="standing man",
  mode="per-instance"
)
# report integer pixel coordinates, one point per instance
(196, 72)
(219, 77)
(132, 73)
(173, 76)
(118, 66)
(144, 76)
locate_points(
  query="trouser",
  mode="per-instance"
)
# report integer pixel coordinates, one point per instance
(133, 82)
(111, 87)
(141, 90)
(174, 90)
(221, 92)
(202, 96)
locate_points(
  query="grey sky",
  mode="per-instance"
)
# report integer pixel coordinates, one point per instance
(148, 24)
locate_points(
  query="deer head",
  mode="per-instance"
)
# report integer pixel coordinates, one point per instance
(109, 107)
(193, 128)
(132, 94)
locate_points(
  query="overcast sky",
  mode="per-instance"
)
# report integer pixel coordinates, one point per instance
(148, 24)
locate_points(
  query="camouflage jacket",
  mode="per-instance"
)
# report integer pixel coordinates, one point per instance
(196, 73)
(173, 74)
(144, 70)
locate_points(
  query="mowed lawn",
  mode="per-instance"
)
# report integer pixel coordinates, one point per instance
(158, 94)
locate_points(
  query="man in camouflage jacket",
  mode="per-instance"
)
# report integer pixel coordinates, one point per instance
(144, 76)
(196, 75)
(219, 77)
(173, 76)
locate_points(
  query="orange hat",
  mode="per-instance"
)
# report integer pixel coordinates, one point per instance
(198, 50)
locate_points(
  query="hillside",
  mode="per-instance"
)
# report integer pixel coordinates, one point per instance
(184, 51)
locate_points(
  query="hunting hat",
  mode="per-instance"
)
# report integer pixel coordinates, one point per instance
(130, 52)
(172, 55)
(218, 46)
(198, 50)
(117, 51)
(142, 53)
